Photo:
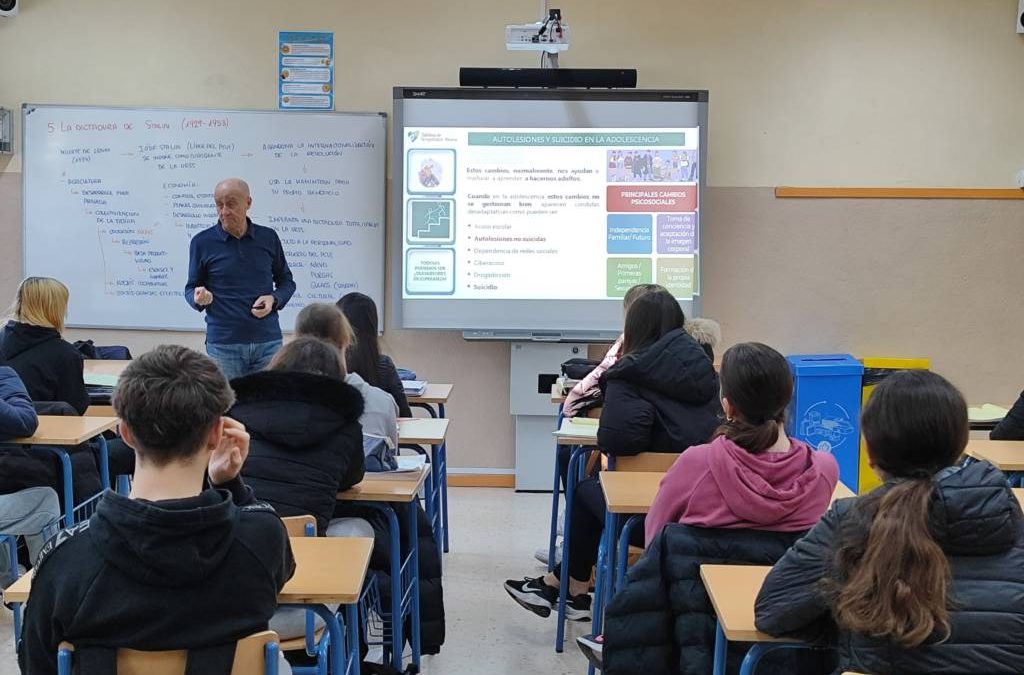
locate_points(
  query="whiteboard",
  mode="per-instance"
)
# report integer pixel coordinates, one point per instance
(113, 196)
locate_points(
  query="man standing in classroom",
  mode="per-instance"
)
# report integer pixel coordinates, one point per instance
(238, 276)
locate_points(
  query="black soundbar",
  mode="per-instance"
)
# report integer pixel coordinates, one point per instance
(549, 78)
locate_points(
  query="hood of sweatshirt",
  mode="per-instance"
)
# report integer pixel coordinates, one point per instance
(169, 543)
(772, 490)
(20, 337)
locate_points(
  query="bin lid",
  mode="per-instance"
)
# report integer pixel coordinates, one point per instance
(824, 365)
(896, 363)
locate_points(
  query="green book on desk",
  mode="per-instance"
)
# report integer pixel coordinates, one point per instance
(584, 427)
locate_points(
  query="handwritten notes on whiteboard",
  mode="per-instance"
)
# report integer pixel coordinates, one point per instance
(113, 197)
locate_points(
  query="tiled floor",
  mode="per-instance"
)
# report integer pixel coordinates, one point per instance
(494, 533)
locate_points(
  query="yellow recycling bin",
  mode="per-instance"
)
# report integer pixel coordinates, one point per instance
(877, 369)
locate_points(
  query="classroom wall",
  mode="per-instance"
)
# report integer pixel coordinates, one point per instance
(803, 92)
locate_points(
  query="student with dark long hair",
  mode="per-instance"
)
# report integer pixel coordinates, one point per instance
(363, 355)
(661, 396)
(745, 497)
(924, 574)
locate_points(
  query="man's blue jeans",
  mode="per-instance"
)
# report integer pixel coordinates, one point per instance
(238, 360)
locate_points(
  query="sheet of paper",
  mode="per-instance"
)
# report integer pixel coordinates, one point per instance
(101, 380)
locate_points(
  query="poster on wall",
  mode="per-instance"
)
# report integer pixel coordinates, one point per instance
(305, 70)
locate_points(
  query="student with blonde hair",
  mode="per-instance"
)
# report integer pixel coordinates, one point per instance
(31, 343)
(380, 416)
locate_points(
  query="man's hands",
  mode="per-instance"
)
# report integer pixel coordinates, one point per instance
(202, 296)
(227, 460)
(264, 305)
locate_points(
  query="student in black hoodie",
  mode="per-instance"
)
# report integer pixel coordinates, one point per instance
(50, 367)
(660, 396)
(306, 444)
(173, 566)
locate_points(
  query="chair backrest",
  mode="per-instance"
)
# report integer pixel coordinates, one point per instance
(300, 526)
(646, 461)
(251, 657)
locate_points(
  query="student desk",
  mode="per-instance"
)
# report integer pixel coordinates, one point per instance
(433, 399)
(582, 443)
(58, 431)
(105, 366)
(733, 591)
(631, 493)
(558, 395)
(383, 491)
(1004, 455)
(1019, 494)
(432, 431)
(327, 570)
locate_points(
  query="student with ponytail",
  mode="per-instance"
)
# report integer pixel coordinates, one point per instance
(743, 498)
(926, 573)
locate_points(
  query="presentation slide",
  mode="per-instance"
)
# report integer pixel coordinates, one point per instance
(489, 213)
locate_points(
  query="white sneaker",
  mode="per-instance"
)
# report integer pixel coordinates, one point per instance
(542, 554)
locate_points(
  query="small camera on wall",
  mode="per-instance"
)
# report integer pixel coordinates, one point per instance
(9, 7)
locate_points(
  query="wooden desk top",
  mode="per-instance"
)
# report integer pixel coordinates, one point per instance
(1019, 494)
(105, 367)
(422, 430)
(67, 430)
(386, 487)
(434, 393)
(733, 590)
(842, 492)
(327, 570)
(1004, 455)
(100, 411)
(558, 394)
(630, 492)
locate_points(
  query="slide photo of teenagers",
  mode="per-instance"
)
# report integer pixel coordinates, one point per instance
(652, 166)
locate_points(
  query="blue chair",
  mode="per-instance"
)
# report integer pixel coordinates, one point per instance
(314, 642)
(258, 651)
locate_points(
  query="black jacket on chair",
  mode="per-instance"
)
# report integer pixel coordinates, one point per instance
(977, 521)
(50, 367)
(306, 442)
(663, 398)
(662, 621)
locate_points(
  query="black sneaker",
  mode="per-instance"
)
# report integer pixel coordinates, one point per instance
(592, 647)
(577, 607)
(533, 594)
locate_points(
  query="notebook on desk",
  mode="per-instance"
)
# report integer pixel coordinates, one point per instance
(407, 464)
(414, 387)
(583, 427)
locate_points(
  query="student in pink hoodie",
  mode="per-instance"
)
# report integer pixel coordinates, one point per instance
(743, 498)
(752, 475)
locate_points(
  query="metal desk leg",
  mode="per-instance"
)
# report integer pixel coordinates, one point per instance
(444, 480)
(352, 628)
(556, 489)
(334, 631)
(623, 549)
(414, 586)
(574, 461)
(720, 648)
(104, 462)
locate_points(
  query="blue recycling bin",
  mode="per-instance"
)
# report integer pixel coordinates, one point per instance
(825, 412)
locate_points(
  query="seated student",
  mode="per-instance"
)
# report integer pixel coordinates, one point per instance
(28, 507)
(379, 420)
(306, 443)
(31, 343)
(363, 354)
(745, 497)
(661, 396)
(922, 575)
(1011, 427)
(173, 566)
